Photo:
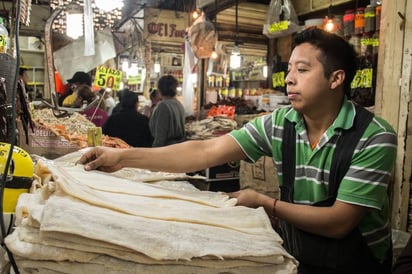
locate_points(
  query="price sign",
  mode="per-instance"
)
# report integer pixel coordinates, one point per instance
(108, 78)
(134, 80)
(278, 26)
(278, 79)
(362, 79)
(3, 43)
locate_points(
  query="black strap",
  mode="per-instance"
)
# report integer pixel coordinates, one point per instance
(345, 148)
(341, 158)
(332, 254)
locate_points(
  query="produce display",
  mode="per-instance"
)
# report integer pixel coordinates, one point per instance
(74, 221)
(73, 127)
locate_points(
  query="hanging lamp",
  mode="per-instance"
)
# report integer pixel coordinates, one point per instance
(107, 6)
(214, 54)
(74, 20)
(329, 22)
(235, 58)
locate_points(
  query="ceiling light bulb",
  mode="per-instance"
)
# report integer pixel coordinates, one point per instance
(195, 14)
(235, 58)
(157, 67)
(214, 54)
(74, 20)
(106, 5)
(330, 25)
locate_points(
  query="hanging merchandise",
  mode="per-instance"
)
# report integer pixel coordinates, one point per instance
(281, 19)
(4, 37)
(364, 82)
(279, 71)
(349, 23)
(360, 20)
(203, 37)
(370, 21)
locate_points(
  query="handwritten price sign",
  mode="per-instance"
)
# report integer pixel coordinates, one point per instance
(278, 79)
(108, 78)
(363, 78)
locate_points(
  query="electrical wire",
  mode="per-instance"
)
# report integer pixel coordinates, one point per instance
(12, 139)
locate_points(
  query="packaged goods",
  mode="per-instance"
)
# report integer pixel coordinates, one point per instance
(4, 37)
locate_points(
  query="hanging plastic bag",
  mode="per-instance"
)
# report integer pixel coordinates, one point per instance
(281, 19)
(203, 37)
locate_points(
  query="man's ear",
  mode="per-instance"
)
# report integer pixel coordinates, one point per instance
(336, 79)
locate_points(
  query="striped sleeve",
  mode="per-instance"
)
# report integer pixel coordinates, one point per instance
(255, 137)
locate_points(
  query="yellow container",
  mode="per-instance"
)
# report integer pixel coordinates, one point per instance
(94, 136)
(20, 175)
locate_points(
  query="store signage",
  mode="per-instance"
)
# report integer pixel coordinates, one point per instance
(363, 78)
(134, 80)
(165, 29)
(165, 25)
(278, 79)
(278, 26)
(108, 78)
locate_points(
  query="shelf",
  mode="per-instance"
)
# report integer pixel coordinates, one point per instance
(250, 80)
(33, 67)
(35, 83)
(32, 50)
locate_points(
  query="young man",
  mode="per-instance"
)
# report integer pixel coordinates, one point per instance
(351, 233)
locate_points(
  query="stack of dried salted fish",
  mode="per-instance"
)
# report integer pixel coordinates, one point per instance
(92, 222)
(209, 127)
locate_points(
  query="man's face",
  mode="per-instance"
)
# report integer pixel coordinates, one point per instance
(307, 87)
(25, 77)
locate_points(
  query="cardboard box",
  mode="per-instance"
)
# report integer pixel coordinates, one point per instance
(260, 176)
(228, 171)
(44, 143)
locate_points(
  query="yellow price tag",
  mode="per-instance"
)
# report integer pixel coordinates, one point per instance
(278, 26)
(134, 80)
(362, 79)
(370, 42)
(108, 78)
(278, 79)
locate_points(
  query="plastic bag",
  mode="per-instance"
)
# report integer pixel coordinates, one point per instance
(203, 37)
(281, 19)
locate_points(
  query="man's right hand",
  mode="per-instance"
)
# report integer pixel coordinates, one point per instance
(101, 158)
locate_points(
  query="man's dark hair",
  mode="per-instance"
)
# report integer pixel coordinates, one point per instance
(336, 53)
(129, 100)
(22, 71)
(167, 85)
(121, 92)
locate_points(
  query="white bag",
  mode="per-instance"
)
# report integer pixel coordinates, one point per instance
(281, 19)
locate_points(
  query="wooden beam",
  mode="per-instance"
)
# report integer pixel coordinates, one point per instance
(391, 100)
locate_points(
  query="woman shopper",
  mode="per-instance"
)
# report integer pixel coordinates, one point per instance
(96, 108)
(128, 124)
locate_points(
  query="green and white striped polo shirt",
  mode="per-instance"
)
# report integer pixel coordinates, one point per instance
(366, 181)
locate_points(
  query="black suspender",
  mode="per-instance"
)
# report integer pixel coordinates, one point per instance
(341, 158)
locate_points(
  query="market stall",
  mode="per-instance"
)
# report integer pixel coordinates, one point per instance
(152, 41)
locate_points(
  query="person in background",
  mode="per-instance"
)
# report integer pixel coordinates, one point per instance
(167, 122)
(79, 78)
(118, 106)
(24, 77)
(128, 124)
(155, 98)
(108, 100)
(320, 71)
(96, 108)
(23, 110)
